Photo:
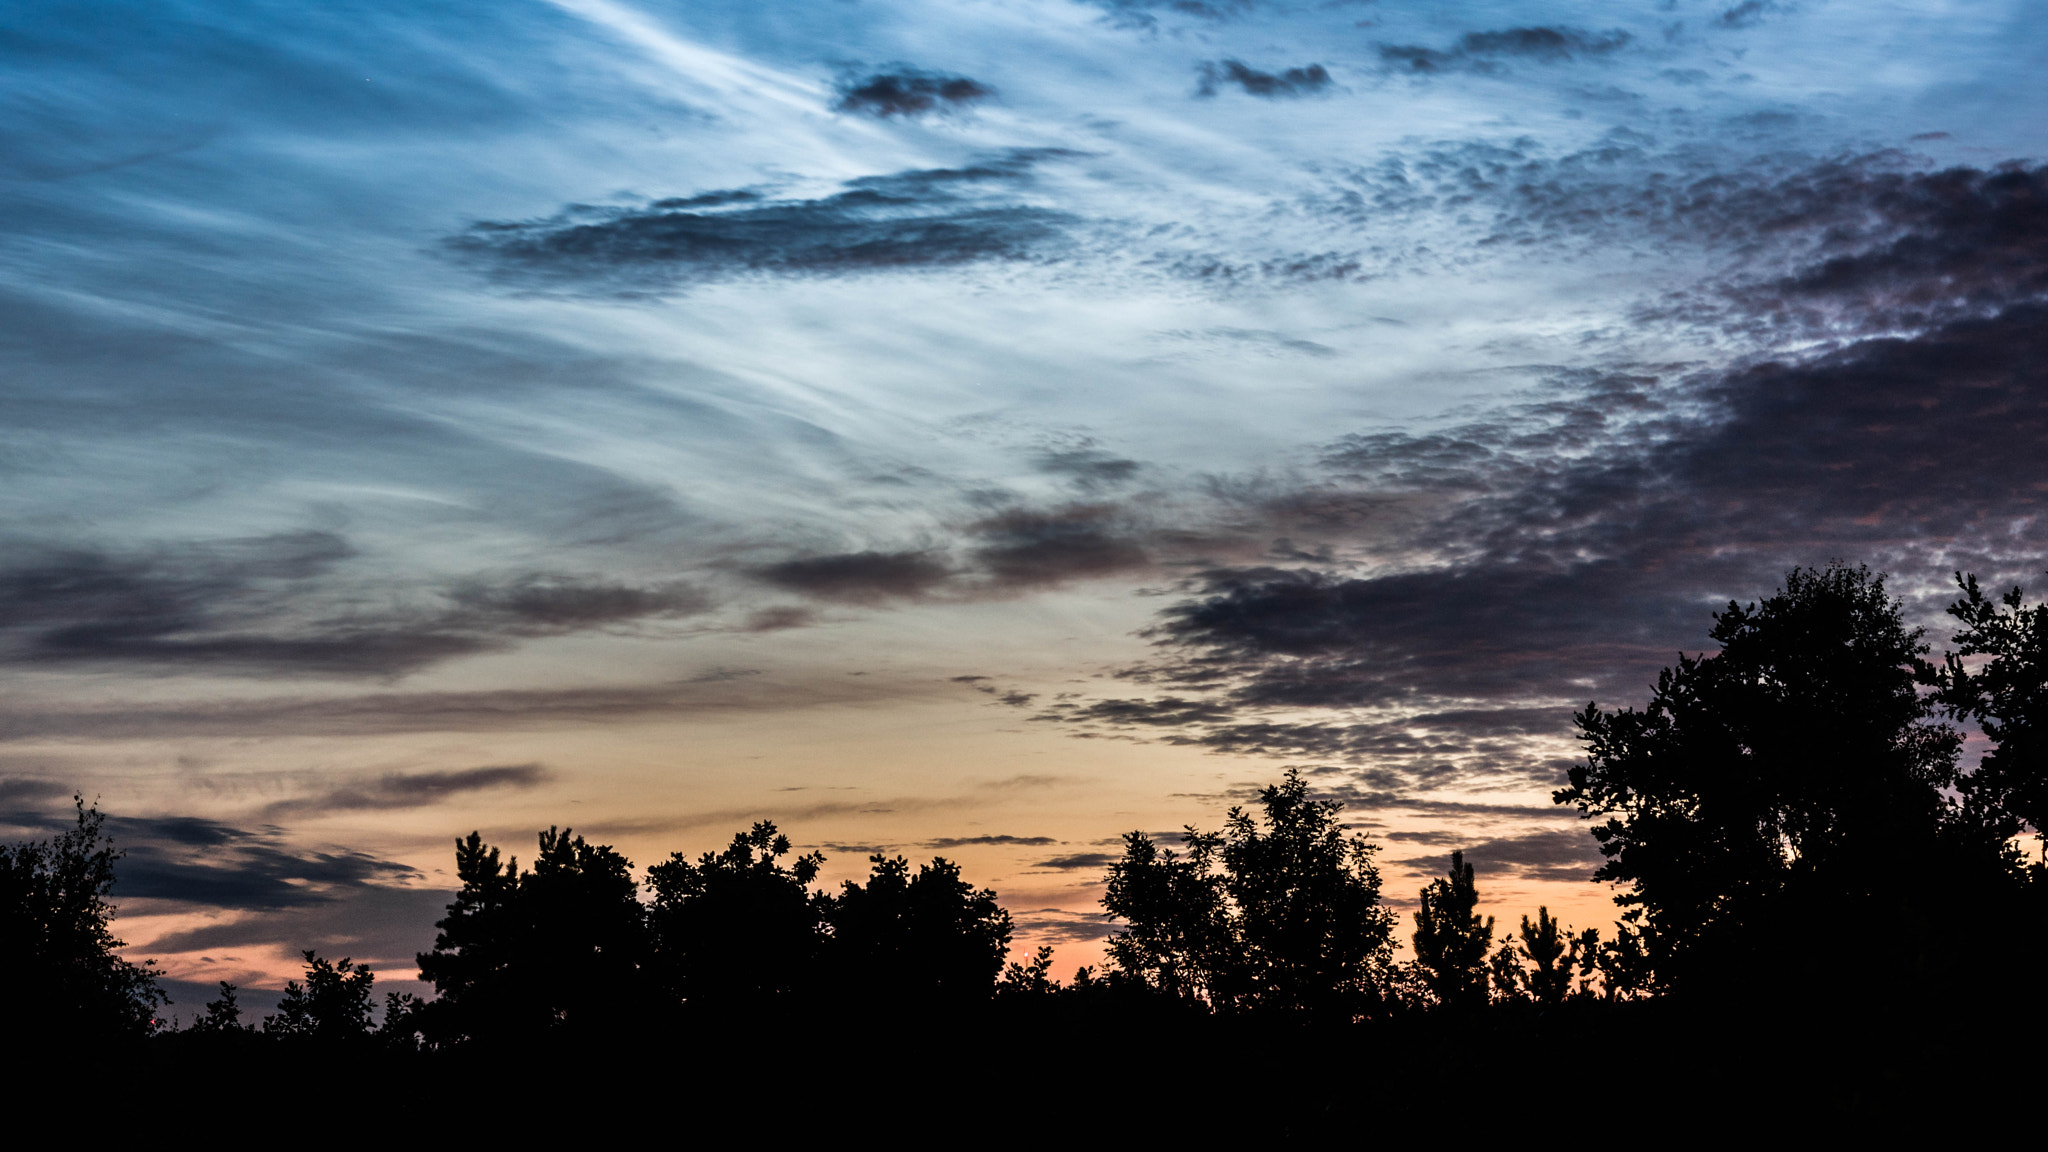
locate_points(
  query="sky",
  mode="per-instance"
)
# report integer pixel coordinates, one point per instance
(978, 429)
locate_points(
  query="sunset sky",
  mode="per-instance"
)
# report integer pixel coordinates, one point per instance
(977, 428)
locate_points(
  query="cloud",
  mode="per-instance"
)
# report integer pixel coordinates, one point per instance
(544, 604)
(1034, 548)
(1267, 85)
(1862, 244)
(1141, 13)
(859, 577)
(963, 841)
(384, 924)
(1060, 925)
(414, 790)
(1555, 854)
(1090, 861)
(1494, 572)
(1090, 469)
(921, 218)
(20, 790)
(212, 604)
(1747, 14)
(207, 864)
(1482, 51)
(235, 607)
(906, 91)
(1171, 711)
(501, 710)
(1904, 251)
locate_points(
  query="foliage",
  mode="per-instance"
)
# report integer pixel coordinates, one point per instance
(333, 1004)
(522, 953)
(1035, 978)
(1764, 801)
(59, 952)
(925, 937)
(2008, 696)
(1541, 961)
(737, 926)
(1451, 940)
(222, 1016)
(1280, 919)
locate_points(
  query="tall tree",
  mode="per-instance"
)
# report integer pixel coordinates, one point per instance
(2008, 697)
(521, 953)
(1775, 796)
(737, 929)
(929, 937)
(333, 1004)
(57, 946)
(1272, 915)
(1540, 961)
(1451, 939)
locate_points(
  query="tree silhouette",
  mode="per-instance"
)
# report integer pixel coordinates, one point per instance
(222, 1016)
(929, 938)
(333, 1004)
(1774, 796)
(1451, 940)
(737, 928)
(57, 949)
(2008, 696)
(1281, 918)
(1178, 935)
(521, 953)
(1540, 961)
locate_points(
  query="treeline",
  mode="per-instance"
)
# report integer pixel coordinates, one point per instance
(1789, 824)
(1274, 917)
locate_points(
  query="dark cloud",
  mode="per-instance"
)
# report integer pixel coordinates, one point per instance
(546, 604)
(778, 618)
(1746, 14)
(1483, 51)
(1090, 861)
(18, 791)
(1169, 711)
(938, 217)
(1903, 251)
(1816, 248)
(503, 710)
(386, 926)
(1060, 925)
(860, 577)
(413, 790)
(213, 605)
(1558, 854)
(1090, 469)
(1268, 85)
(206, 864)
(234, 607)
(1143, 13)
(1585, 570)
(1498, 571)
(905, 91)
(962, 841)
(863, 850)
(1030, 548)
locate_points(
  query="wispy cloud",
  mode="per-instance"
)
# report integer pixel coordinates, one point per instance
(1485, 51)
(905, 91)
(921, 218)
(1286, 82)
(409, 790)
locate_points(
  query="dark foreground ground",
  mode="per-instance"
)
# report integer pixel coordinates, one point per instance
(1645, 1073)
